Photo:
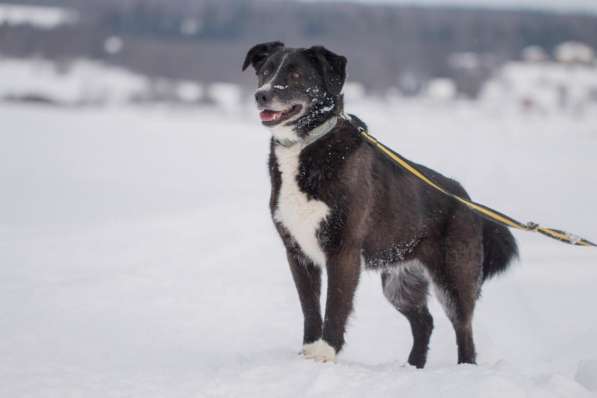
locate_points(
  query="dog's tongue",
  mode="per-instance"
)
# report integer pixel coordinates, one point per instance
(268, 116)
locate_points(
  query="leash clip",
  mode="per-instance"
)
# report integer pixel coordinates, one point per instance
(532, 226)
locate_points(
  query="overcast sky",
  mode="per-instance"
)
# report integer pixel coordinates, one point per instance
(558, 5)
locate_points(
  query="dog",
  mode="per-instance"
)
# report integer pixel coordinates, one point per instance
(338, 204)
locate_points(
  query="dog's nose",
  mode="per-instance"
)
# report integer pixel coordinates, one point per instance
(263, 97)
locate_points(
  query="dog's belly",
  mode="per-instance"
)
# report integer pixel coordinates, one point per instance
(300, 216)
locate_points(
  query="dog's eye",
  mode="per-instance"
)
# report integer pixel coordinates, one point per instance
(267, 71)
(295, 75)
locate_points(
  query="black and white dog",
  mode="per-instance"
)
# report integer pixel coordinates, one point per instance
(339, 204)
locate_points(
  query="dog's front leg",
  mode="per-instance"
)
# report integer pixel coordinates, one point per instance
(343, 276)
(307, 278)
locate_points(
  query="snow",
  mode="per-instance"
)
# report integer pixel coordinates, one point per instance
(546, 87)
(81, 81)
(87, 82)
(138, 258)
(190, 26)
(113, 45)
(189, 91)
(570, 52)
(587, 374)
(534, 54)
(38, 16)
(353, 91)
(227, 95)
(465, 60)
(441, 89)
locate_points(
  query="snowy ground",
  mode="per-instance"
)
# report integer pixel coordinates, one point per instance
(137, 258)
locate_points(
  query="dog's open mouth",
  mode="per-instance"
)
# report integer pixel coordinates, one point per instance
(270, 117)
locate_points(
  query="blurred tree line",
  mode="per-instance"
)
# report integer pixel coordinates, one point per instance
(206, 40)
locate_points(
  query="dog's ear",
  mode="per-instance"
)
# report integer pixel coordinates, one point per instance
(332, 67)
(259, 53)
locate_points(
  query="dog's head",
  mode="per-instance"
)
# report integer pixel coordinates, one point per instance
(298, 88)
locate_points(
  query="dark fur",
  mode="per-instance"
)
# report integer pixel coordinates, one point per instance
(383, 213)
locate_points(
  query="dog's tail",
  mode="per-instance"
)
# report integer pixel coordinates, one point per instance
(499, 247)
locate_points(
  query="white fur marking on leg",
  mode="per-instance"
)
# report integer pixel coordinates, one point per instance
(320, 351)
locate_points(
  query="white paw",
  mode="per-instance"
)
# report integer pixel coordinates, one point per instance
(319, 351)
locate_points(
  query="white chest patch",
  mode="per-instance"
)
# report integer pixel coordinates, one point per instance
(301, 216)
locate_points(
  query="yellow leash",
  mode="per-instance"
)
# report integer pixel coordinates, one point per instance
(483, 211)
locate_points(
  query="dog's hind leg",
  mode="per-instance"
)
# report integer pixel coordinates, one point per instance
(459, 307)
(457, 278)
(406, 287)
